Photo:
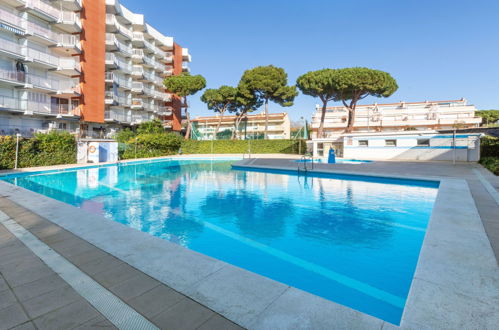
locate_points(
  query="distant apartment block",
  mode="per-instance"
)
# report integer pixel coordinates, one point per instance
(87, 66)
(402, 116)
(250, 127)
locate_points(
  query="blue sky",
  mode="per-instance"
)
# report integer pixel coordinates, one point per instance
(435, 49)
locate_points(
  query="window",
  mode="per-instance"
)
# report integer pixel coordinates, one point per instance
(390, 143)
(363, 143)
(423, 142)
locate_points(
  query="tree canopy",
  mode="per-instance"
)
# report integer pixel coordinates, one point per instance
(219, 99)
(354, 84)
(268, 83)
(321, 84)
(184, 85)
(488, 116)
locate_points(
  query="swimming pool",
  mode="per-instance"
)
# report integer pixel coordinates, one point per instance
(353, 240)
(338, 161)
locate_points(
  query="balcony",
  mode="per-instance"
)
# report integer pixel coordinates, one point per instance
(69, 67)
(110, 98)
(41, 34)
(137, 56)
(11, 49)
(10, 103)
(109, 78)
(159, 53)
(111, 62)
(69, 22)
(70, 5)
(123, 83)
(68, 88)
(165, 111)
(137, 104)
(12, 20)
(66, 110)
(68, 45)
(137, 72)
(168, 59)
(168, 71)
(137, 87)
(185, 55)
(43, 59)
(115, 115)
(41, 9)
(138, 39)
(42, 83)
(111, 23)
(185, 68)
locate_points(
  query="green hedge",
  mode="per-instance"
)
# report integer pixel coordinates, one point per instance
(150, 145)
(489, 153)
(241, 147)
(52, 148)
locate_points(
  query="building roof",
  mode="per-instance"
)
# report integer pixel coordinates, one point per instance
(232, 118)
(463, 101)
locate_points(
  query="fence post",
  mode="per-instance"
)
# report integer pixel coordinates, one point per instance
(17, 150)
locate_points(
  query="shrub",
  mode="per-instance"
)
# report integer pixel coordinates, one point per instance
(489, 147)
(125, 135)
(491, 163)
(44, 149)
(150, 145)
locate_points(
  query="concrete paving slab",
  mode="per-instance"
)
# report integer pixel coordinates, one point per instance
(236, 293)
(134, 286)
(36, 288)
(67, 317)
(50, 301)
(296, 309)
(12, 316)
(155, 301)
(186, 314)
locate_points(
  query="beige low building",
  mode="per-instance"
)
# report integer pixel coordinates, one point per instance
(251, 126)
(402, 116)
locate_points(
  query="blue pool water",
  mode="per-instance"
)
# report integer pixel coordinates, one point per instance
(352, 240)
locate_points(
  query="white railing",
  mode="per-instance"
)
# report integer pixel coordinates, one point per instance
(38, 107)
(43, 7)
(137, 70)
(123, 47)
(159, 52)
(150, 46)
(69, 40)
(69, 85)
(12, 47)
(137, 52)
(42, 57)
(41, 31)
(69, 17)
(111, 19)
(11, 18)
(138, 36)
(137, 86)
(110, 57)
(69, 63)
(42, 81)
(137, 103)
(168, 72)
(125, 31)
(110, 76)
(9, 102)
(168, 59)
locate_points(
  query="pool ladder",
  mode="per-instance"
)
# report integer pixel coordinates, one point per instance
(305, 160)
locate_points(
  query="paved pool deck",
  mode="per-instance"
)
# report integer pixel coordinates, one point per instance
(138, 279)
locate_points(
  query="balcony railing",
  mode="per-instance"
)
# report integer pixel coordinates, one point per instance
(42, 57)
(69, 40)
(69, 17)
(12, 19)
(11, 47)
(43, 32)
(42, 81)
(137, 86)
(63, 109)
(43, 7)
(10, 103)
(69, 63)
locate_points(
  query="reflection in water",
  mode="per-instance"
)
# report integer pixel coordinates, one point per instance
(311, 227)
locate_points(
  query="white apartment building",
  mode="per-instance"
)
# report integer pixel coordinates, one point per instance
(250, 127)
(39, 65)
(83, 65)
(402, 116)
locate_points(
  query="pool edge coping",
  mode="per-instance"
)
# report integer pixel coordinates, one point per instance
(59, 211)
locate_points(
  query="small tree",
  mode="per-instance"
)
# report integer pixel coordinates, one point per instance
(245, 103)
(185, 85)
(354, 84)
(219, 100)
(319, 84)
(268, 83)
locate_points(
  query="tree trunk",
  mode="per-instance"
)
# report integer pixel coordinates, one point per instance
(189, 126)
(266, 118)
(351, 119)
(219, 123)
(320, 133)
(237, 122)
